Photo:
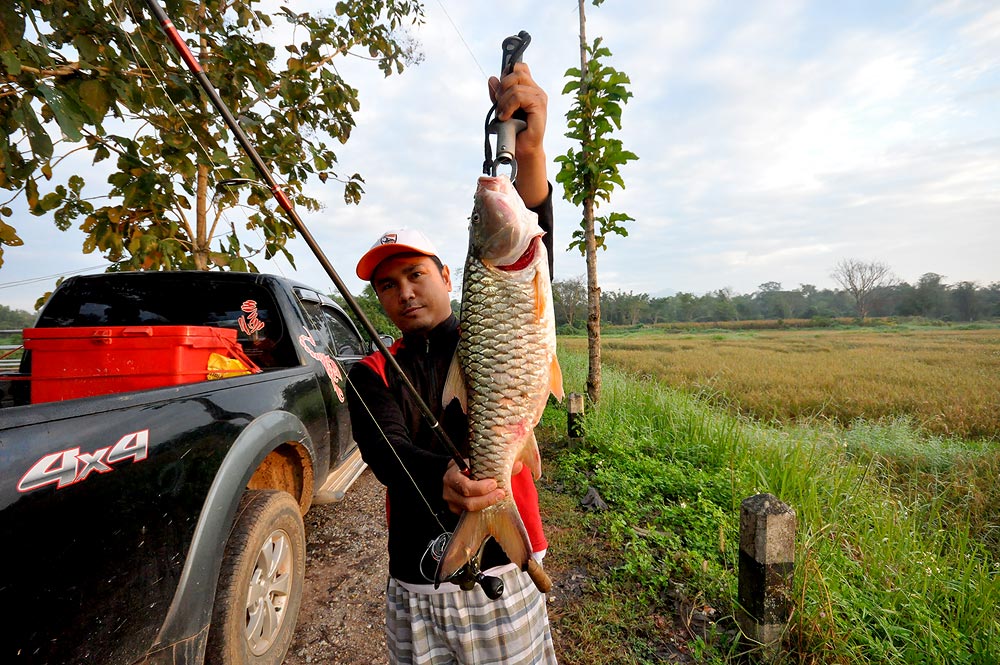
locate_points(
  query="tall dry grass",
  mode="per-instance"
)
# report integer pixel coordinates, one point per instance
(948, 380)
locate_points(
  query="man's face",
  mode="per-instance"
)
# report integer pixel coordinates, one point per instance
(413, 292)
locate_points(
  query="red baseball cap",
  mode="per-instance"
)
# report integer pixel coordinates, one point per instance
(390, 243)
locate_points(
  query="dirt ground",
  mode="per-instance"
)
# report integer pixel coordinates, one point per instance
(342, 615)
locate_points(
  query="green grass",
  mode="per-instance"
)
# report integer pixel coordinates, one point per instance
(897, 545)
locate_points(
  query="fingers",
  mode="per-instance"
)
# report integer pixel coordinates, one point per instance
(494, 85)
(518, 90)
(465, 494)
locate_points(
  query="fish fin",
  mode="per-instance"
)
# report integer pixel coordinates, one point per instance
(541, 302)
(506, 527)
(555, 378)
(531, 457)
(555, 386)
(466, 540)
(502, 521)
(454, 385)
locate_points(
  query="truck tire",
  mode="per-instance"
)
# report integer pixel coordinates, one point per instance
(260, 586)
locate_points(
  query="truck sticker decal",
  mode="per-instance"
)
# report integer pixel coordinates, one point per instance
(71, 466)
(250, 324)
(332, 369)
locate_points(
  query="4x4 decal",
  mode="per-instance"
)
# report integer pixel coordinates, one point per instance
(71, 466)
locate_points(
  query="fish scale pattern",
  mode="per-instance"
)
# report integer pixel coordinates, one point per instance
(502, 352)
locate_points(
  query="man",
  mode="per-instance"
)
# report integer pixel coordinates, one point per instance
(425, 490)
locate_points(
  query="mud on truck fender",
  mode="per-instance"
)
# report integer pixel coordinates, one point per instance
(246, 562)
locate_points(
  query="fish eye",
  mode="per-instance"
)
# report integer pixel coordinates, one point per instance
(475, 218)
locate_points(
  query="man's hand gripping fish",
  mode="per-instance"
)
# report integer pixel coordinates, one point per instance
(505, 367)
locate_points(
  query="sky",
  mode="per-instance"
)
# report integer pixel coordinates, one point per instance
(775, 138)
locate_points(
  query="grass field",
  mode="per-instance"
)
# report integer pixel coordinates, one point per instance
(898, 543)
(946, 379)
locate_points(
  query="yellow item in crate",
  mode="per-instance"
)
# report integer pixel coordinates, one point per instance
(221, 367)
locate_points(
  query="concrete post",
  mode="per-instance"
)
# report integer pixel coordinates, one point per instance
(767, 562)
(574, 418)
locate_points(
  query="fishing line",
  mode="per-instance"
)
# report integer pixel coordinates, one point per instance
(285, 203)
(222, 212)
(121, 14)
(459, 32)
(139, 57)
(257, 231)
(413, 480)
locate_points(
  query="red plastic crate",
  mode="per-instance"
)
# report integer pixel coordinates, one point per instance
(67, 363)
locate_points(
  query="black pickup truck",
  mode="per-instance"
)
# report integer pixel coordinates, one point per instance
(164, 525)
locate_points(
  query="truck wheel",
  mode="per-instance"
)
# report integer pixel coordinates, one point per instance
(260, 586)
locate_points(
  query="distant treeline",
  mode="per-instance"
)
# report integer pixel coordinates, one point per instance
(930, 297)
(12, 319)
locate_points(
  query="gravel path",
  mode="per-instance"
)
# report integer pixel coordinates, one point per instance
(343, 603)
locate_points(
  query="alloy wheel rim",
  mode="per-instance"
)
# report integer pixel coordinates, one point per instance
(269, 591)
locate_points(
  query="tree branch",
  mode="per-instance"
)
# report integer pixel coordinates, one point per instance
(62, 157)
(73, 68)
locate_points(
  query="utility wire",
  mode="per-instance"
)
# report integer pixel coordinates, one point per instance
(32, 280)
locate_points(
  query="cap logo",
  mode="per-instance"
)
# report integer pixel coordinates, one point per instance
(387, 239)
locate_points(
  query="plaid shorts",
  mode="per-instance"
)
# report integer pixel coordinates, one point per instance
(468, 628)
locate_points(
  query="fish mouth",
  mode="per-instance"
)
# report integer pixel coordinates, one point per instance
(524, 260)
(500, 183)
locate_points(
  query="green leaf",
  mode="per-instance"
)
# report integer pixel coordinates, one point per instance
(96, 98)
(88, 49)
(591, 173)
(38, 138)
(11, 32)
(10, 61)
(69, 122)
(51, 200)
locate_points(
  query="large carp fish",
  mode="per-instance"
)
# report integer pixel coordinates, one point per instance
(505, 367)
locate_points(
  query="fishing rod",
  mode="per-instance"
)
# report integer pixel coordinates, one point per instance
(285, 203)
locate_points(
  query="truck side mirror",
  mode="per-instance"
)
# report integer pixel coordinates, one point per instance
(386, 339)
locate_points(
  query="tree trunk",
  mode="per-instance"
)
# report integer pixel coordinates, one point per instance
(200, 242)
(593, 307)
(199, 248)
(593, 290)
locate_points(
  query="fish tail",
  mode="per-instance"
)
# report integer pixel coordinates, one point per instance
(502, 522)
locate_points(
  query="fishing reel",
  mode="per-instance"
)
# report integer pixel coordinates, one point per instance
(506, 132)
(469, 575)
